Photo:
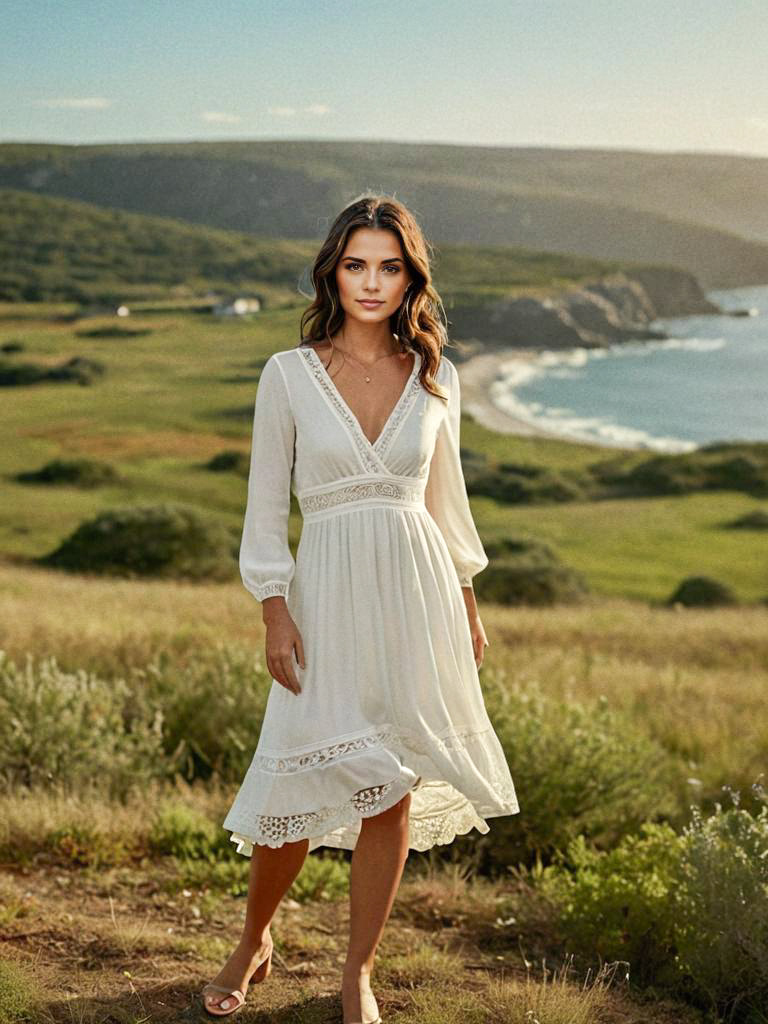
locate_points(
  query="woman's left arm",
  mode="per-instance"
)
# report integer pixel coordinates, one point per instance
(447, 501)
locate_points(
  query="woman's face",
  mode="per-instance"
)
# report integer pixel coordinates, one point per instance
(372, 267)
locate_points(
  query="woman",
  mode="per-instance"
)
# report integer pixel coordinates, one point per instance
(375, 736)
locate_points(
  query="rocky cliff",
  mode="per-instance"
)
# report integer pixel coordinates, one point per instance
(612, 309)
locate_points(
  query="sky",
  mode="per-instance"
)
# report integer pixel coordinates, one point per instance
(648, 75)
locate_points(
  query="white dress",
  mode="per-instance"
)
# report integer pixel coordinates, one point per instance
(390, 696)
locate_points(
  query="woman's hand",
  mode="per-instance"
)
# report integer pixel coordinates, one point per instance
(283, 638)
(479, 639)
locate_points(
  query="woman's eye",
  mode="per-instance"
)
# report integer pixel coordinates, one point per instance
(391, 266)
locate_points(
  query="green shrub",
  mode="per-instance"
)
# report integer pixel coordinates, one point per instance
(18, 993)
(114, 331)
(182, 831)
(721, 902)
(212, 709)
(78, 369)
(72, 729)
(617, 905)
(737, 466)
(164, 541)
(755, 520)
(520, 484)
(523, 571)
(85, 473)
(230, 462)
(321, 878)
(689, 912)
(577, 769)
(702, 592)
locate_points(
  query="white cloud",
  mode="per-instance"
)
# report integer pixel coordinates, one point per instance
(78, 102)
(316, 109)
(220, 117)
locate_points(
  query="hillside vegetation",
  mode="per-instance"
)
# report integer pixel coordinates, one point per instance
(705, 213)
(56, 249)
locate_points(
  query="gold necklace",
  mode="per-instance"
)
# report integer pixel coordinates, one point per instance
(352, 359)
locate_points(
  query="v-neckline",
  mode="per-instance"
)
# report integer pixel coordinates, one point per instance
(373, 445)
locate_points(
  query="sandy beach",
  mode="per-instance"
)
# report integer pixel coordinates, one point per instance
(476, 376)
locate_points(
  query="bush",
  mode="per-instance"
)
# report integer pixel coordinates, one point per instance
(520, 484)
(182, 831)
(737, 466)
(114, 331)
(755, 520)
(702, 592)
(577, 769)
(617, 905)
(78, 369)
(689, 912)
(18, 993)
(85, 473)
(69, 729)
(523, 571)
(230, 462)
(530, 584)
(167, 719)
(163, 541)
(721, 901)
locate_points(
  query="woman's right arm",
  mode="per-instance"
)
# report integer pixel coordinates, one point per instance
(267, 566)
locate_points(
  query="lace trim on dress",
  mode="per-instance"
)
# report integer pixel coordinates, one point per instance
(382, 488)
(454, 740)
(369, 452)
(272, 830)
(272, 588)
(390, 429)
(276, 830)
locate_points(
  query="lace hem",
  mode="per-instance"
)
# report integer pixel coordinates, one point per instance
(328, 827)
(439, 819)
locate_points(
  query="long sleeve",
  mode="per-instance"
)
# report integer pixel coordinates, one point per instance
(266, 563)
(446, 492)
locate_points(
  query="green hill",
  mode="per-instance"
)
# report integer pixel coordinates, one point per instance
(706, 213)
(65, 250)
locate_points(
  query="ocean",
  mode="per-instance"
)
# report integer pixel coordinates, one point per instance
(707, 382)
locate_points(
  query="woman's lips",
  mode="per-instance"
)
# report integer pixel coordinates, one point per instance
(370, 303)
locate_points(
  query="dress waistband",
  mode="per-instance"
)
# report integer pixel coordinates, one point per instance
(385, 492)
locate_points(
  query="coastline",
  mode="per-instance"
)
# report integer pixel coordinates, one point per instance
(476, 376)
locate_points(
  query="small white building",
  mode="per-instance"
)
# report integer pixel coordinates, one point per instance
(240, 306)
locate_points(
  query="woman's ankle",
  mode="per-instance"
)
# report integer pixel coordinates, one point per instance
(256, 942)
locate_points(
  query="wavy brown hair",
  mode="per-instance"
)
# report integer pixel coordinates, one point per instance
(417, 322)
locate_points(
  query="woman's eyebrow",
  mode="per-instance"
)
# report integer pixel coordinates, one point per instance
(389, 259)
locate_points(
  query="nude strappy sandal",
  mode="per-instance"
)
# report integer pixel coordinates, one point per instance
(368, 1002)
(260, 973)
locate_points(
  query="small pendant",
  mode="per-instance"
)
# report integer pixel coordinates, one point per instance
(367, 380)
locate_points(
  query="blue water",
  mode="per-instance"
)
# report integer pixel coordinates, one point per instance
(707, 382)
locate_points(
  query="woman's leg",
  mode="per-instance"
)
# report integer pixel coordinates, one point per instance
(376, 869)
(272, 872)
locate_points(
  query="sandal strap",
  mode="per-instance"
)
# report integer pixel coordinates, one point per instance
(223, 988)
